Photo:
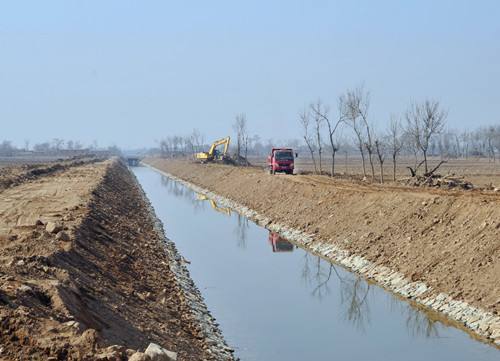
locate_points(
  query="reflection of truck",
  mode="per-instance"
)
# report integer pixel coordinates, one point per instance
(280, 160)
(213, 153)
(279, 244)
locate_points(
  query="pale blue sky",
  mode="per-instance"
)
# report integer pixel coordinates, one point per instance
(129, 72)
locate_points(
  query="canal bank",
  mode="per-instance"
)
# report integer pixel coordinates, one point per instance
(86, 272)
(264, 315)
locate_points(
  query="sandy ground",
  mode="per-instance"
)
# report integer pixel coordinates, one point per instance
(448, 239)
(98, 286)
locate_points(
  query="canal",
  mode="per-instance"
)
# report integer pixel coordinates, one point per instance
(274, 301)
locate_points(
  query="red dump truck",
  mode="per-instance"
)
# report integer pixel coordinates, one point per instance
(279, 244)
(280, 160)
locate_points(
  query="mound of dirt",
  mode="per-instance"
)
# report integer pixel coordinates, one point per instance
(83, 272)
(448, 239)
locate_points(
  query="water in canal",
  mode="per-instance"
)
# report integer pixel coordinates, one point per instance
(274, 301)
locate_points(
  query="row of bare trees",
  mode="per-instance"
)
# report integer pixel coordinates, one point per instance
(415, 129)
(56, 145)
(177, 145)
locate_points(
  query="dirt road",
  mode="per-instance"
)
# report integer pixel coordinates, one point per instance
(84, 273)
(449, 240)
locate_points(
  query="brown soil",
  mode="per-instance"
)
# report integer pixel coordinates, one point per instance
(107, 284)
(13, 175)
(448, 239)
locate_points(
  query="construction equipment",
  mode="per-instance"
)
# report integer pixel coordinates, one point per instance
(213, 153)
(215, 206)
(280, 160)
(279, 244)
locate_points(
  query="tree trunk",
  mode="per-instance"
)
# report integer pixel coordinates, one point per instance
(425, 161)
(381, 172)
(333, 163)
(312, 157)
(370, 157)
(394, 167)
(320, 166)
(363, 160)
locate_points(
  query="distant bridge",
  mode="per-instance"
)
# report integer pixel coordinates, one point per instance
(133, 161)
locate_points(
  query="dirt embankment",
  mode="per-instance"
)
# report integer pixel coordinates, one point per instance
(449, 240)
(14, 175)
(82, 268)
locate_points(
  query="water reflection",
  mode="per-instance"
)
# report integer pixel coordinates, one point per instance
(354, 298)
(317, 275)
(177, 189)
(241, 230)
(224, 210)
(279, 244)
(418, 323)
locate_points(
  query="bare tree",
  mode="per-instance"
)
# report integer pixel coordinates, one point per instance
(247, 143)
(58, 142)
(197, 140)
(496, 139)
(7, 148)
(489, 135)
(395, 142)
(240, 128)
(465, 140)
(318, 112)
(333, 125)
(380, 149)
(305, 121)
(423, 121)
(77, 145)
(355, 111)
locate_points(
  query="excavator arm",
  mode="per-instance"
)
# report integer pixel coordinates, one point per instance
(210, 155)
(224, 141)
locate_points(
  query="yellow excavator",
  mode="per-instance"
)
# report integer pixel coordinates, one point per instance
(215, 206)
(213, 153)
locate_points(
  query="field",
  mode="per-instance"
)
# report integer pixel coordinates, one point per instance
(479, 171)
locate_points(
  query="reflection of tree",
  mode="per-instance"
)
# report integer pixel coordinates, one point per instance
(198, 205)
(354, 295)
(306, 270)
(321, 280)
(241, 231)
(353, 290)
(418, 322)
(178, 190)
(317, 278)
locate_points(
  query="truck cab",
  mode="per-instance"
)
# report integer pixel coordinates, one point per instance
(281, 160)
